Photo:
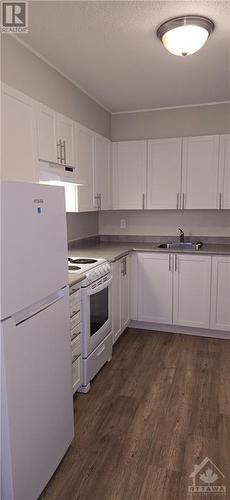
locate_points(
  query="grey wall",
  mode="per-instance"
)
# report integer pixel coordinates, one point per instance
(200, 120)
(26, 72)
(166, 222)
(81, 225)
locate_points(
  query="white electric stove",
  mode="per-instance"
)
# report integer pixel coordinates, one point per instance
(96, 314)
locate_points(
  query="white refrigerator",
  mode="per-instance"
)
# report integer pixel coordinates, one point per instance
(36, 378)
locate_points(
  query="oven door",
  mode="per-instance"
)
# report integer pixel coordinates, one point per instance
(97, 321)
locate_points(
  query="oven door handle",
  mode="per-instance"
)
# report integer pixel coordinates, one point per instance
(97, 289)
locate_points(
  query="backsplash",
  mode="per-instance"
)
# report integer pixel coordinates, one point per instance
(166, 222)
(82, 225)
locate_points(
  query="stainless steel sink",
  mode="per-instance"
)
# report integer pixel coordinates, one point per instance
(179, 245)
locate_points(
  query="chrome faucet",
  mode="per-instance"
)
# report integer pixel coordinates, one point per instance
(181, 235)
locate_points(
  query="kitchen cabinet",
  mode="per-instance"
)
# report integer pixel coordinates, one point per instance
(55, 136)
(200, 172)
(18, 136)
(164, 173)
(65, 135)
(154, 297)
(84, 158)
(102, 172)
(191, 290)
(76, 335)
(46, 133)
(174, 289)
(220, 304)
(129, 174)
(120, 296)
(224, 172)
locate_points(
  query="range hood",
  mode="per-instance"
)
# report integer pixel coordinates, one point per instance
(51, 172)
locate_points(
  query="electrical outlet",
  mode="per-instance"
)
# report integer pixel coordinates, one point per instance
(123, 223)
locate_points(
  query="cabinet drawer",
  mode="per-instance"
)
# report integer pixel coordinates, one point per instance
(74, 307)
(75, 296)
(99, 356)
(76, 373)
(76, 347)
(75, 331)
(75, 319)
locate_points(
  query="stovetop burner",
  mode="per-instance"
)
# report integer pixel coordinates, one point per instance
(82, 261)
(74, 268)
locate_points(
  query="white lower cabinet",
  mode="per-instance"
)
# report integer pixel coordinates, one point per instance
(220, 304)
(75, 335)
(154, 298)
(175, 289)
(191, 290)
(120, 296)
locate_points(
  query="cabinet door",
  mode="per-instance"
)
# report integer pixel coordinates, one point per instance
(71, 204)
(129, 174)
(46, 130)
(220, 305)
(224, 172)
(125, 315)
(84, 142)
(164, 173)
(65, 133)
(18, 136)
(155, 288)
(200, 172)
(116, 300)
(191, 295)
(101, 171)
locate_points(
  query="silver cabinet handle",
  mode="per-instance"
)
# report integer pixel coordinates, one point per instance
(59, 157)
(183, 201)
(74, 313)
(176, 263)
(170, 262)
(220, 200)
(75, 335)
(96, 201)
(177, 200)
(75, 357)
(125, 266)
(99, 201)
(64, 145)
(63, 152)
(143, 201)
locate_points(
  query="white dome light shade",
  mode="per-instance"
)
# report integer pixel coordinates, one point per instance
(183, 36)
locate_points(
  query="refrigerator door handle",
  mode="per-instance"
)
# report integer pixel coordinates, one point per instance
(31, 311)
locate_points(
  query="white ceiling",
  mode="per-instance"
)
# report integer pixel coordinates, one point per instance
(110, 49)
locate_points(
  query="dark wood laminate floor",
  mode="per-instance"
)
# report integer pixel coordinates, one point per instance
(158, 408)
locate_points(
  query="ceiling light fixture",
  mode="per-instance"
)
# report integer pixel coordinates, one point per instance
(185, 35)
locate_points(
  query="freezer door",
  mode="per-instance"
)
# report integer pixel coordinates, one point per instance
(33, 244)
(37, 402)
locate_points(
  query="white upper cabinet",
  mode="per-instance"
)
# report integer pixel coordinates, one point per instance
(154, 297)
(220, 310)
(129, 174)
(65, 135)
(18, 136)
(46, 133)
(224, 172)
(191, 295)
(200, 172)
(55, 136)
(102, 172)
(164, 173)
(84, 158)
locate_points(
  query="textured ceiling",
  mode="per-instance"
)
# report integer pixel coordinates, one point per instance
(110, 49)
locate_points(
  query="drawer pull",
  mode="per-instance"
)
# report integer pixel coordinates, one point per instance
(101, 350)
(75, 335)
(75, 358)
(74, 313)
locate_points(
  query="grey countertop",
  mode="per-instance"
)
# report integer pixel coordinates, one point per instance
(75, 278)
(112, 251)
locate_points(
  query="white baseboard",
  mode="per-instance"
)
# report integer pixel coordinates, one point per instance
(202, 332)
